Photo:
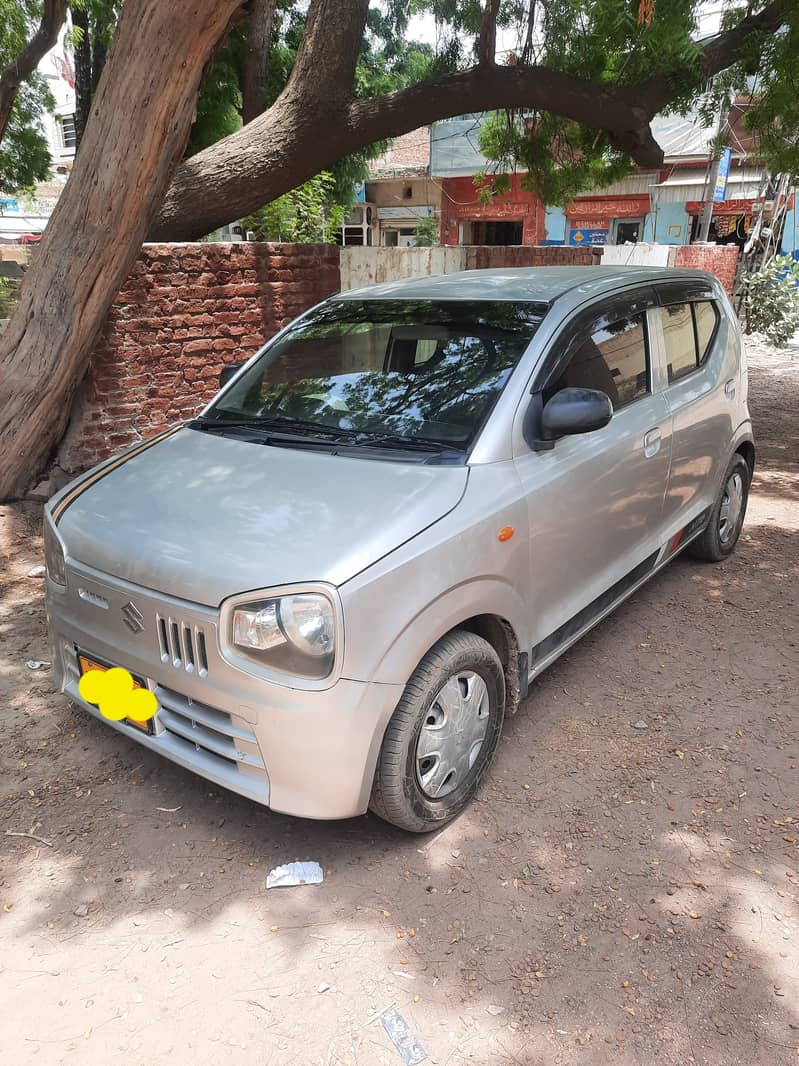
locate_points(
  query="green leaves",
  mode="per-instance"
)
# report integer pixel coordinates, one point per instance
(772, 300)
(306, 215)
(559, 158)
(24, 154)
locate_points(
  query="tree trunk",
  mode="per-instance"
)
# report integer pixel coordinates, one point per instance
(256, 58)
(98, 57)
(83, 72)
(135, 136)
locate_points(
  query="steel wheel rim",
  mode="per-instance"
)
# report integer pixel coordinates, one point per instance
(452, 735)
(731, 507)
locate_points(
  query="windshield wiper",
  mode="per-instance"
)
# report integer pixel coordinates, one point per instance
(281, 422)
(377, 439)
(354, 438)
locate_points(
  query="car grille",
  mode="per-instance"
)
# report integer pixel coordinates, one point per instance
(182, 644)
(210, 731)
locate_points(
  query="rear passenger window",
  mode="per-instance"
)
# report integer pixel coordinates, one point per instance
(687, 331)
(613, 360)
(707, 318)
(678, 333)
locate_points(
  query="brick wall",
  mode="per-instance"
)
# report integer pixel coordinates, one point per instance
(718, 259)
(184, 312)
(492, 258)
(188, 309)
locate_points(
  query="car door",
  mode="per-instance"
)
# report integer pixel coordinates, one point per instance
(595, 501)
(701, 364)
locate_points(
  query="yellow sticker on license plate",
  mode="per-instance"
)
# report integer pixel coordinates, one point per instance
(87, 663)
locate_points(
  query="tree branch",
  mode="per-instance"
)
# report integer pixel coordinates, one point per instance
(718, 53)
(291, 141)
(487, 41)
(256, 58)
(725, 48)
(26, 62)
(324, 69)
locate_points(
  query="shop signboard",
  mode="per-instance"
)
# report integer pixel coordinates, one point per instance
(720, 188)
(588, 236)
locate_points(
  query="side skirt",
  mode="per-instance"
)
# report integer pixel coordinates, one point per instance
(553, 646)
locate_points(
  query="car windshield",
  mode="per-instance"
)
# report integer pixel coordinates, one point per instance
(413, 370)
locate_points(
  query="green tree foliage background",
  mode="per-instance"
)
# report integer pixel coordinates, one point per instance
(24, 154)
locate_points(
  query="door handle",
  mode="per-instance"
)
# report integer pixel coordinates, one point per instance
(652, 442)
(729, 389)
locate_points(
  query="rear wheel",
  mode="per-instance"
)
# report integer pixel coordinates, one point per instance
(727, 518)
(442, 736)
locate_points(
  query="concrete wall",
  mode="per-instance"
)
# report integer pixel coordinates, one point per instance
(370, 266)
(184, 312)
(640, 254)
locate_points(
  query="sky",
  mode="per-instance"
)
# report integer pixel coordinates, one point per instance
(423, 28)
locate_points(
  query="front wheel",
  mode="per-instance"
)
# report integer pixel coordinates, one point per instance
(727, 517)
(442, 736)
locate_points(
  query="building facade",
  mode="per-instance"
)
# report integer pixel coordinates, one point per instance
(400, 193)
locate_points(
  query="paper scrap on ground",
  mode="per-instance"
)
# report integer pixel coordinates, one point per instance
(295, 873)
(397, 1028)
(38, 664)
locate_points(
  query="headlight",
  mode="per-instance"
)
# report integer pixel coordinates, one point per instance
(53, 554)
(292, 634)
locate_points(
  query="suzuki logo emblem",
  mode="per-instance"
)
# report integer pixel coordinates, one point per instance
(132, 617)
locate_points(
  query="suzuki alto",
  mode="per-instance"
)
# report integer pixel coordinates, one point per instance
(339, 578)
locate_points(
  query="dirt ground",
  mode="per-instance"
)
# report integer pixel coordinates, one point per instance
(617, 894)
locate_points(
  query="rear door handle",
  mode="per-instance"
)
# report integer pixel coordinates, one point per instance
(729, 389)
(652, 442)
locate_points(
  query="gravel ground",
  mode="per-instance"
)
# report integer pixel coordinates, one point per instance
(615, 894)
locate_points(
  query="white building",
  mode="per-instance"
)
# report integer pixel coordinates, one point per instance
(24, 216)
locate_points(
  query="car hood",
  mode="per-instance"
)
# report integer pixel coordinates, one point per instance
(202, 517)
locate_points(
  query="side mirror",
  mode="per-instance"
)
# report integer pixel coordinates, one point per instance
(572, 411)
(227, 372)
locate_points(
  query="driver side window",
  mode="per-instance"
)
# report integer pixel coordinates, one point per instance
(613, 360)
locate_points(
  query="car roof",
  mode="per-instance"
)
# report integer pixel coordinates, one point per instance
(540, 284)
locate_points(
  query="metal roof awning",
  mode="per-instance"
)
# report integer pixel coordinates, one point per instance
(685, 185)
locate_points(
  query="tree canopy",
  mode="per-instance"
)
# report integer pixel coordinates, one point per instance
(28, 29)
(597, 70)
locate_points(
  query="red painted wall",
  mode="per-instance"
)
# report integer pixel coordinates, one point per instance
(460, 202)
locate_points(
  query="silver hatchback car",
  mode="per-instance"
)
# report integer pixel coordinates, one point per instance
(339, 578)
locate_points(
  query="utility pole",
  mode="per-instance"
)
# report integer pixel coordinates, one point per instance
(707, 213)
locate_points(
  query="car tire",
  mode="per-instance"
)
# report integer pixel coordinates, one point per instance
(720, 535)
(442, 736)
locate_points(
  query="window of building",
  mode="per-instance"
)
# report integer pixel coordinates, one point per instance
(678, 334)
(67, 133)
(626, 230)
(707, 318)
(612, 360)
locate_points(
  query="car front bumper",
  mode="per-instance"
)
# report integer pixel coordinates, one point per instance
(305, 753)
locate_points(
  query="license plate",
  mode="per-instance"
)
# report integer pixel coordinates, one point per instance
(87, 663)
